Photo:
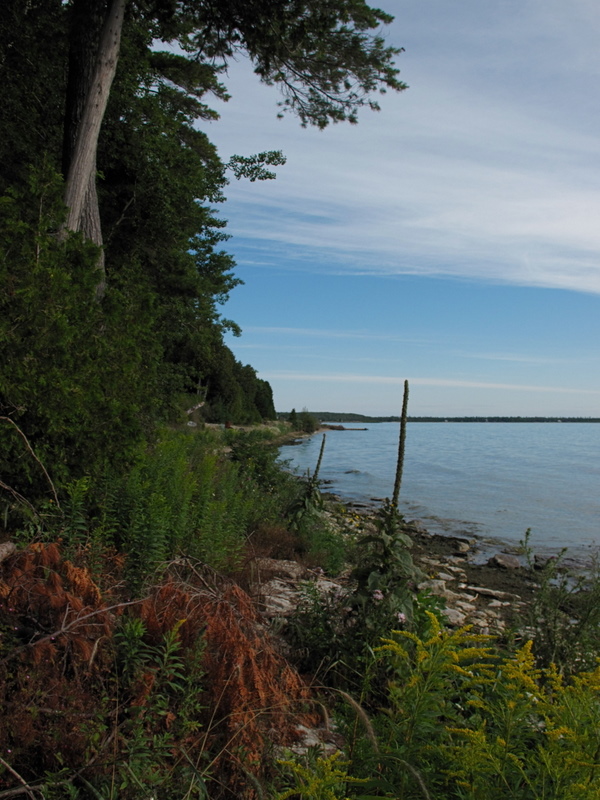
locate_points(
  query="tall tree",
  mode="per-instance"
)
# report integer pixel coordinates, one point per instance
(321, 53)
(90, 81)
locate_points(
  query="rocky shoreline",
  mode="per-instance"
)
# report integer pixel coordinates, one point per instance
(491, 597)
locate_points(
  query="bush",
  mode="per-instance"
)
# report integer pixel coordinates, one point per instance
(307, 423)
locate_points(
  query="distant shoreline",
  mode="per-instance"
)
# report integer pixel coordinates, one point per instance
(330, 416)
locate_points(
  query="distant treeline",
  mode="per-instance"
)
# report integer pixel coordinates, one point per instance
(504, 419)
(330, 416)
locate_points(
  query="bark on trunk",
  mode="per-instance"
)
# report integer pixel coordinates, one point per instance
(84, 119)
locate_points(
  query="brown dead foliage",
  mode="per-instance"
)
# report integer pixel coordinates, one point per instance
(52, 660)
(60, 698)
(254, 697)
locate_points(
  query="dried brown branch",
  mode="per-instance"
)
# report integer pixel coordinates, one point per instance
(66, 628)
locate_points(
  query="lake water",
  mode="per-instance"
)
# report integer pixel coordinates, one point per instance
(490, 480)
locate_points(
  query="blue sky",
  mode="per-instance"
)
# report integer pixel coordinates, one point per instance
(452, 238)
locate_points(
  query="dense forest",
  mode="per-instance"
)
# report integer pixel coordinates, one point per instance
(136, 661)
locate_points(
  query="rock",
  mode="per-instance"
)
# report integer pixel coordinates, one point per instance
(324, 741)
(444, 576)
(504, 561)
(454, 570)
(462, 547)
(434, 586)
(325, 586)
(539, 562)
(463, 605)
(456, 559)
(454, 597)
(278, 598)
(6, 550)
(433, 561)
(490, 614)
(277, 568)
(495, 593)
(454, 617)
(417, 525)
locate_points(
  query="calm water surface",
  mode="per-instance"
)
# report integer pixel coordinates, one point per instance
(492, 480)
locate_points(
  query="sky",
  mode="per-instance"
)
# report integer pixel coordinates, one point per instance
(451, 239)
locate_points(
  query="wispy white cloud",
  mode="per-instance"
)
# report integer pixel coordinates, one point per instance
(487, 168)
(416, 381)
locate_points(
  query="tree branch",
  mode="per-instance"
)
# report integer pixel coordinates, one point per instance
(24, 789)
(45, 471)
(66, 628)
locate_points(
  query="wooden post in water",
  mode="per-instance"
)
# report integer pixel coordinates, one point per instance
(401, 446)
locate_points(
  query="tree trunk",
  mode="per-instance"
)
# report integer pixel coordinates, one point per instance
(85, 112)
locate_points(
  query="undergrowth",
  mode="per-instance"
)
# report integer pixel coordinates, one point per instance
(134, 665)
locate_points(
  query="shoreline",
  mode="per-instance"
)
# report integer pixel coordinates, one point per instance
(492, 597)
(579, 558)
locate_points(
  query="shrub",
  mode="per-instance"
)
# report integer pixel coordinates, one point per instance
(307, 423)
(464, 721)
(563, 618)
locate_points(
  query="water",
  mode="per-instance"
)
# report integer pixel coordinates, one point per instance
(490, 480)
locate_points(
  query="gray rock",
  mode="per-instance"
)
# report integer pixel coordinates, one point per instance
(504, 561)
(444, 576)
(7, 549)
(539, 562)
(277, 568)
(456, 559)
(454, 617)
(454, 569)
(434, 586)
(463, 605)
(495, 593)
(277, 598)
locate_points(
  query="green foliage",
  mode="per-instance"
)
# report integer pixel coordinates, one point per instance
(184, 496)
(385, 571)
(309, 503)
(167, 682)
(253, 167)
(234, 393)
(464, 721)
(323, 778)
(307, 422)
(87, 382)
(563, 619)
(67, 376)
(32, 90)
(337, 632)
(321, 544)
